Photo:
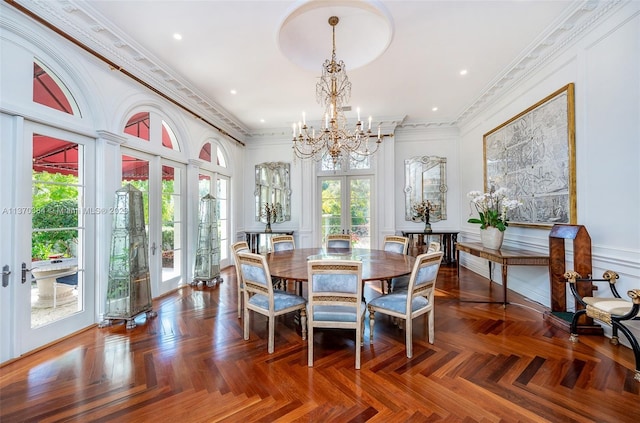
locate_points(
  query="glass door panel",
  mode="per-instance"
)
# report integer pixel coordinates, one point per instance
(223, 218)
(331, 211)
(360, 211)
(57, 222)
(346, 208)
(171, 223)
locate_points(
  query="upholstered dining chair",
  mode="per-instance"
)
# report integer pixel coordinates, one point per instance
(261, 297)
(394, 244)
(417, 300)
(340, 241)
(239, 247)
(402, 282)
(284, 243)
(335, 299)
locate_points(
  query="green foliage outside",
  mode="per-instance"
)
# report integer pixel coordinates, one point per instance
(55, 215)
(359, 212)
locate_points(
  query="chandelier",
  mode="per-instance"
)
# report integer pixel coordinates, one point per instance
(334, 139)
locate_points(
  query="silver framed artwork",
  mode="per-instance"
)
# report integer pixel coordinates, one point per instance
(533, 156)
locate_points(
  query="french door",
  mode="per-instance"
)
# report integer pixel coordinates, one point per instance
(345, 207)
(46, 224)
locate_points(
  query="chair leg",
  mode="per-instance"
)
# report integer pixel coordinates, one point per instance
(408, 329)
(246, 324)
(634, 345)
(371, 323)
(310, 346)
(303, 323)
(272, 331)
(358, 345)
(574, 325)
(240, 295)
(430, 322)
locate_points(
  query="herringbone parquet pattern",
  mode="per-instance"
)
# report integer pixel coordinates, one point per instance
(190, 364)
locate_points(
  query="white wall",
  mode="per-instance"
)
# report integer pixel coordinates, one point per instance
(605, 67)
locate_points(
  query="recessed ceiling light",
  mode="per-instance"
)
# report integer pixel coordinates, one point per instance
(463, 72)
(234, 92)
(261, 120)
(435, 109)
(177, 36)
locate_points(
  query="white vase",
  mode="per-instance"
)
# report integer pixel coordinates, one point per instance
(491, 238)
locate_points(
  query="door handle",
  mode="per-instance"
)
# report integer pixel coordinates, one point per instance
(153, 249)
(24, 272)
(5, 275)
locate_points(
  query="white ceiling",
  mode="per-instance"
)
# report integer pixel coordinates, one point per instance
(415, 52)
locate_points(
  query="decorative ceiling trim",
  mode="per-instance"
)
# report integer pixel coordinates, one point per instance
(571, 26)
(77, 22)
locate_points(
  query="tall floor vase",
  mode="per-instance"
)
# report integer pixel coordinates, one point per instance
(491, 238)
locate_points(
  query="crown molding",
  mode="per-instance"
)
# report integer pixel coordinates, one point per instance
(568, 28)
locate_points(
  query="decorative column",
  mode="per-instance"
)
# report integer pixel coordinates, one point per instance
(207, 267)
(129, 285)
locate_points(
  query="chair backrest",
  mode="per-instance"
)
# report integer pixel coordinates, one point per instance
(282, 243)
(396, 244)
(238, 247)
(335, 293)
(255, 275)
(342, 241)
(433, 247)
(422, 281)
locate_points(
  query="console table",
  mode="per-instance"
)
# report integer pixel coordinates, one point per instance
(418, 243)
(504, 256)
(254, 239)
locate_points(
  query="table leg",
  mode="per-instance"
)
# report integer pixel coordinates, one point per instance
(504, 285)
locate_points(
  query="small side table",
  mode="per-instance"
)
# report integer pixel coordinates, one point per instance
(419, 242)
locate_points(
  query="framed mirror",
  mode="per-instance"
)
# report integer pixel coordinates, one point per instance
(272, 188)
(426, 180)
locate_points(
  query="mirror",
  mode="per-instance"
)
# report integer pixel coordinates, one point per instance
(272, 187)
(426, 180)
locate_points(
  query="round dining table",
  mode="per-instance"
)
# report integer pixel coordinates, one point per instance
(376, 264)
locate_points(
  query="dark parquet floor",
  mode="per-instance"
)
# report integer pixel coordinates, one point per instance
(191, 364)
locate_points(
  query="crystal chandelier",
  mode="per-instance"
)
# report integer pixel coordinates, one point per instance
(334, 138)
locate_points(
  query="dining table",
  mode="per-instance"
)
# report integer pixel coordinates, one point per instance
(376, 264)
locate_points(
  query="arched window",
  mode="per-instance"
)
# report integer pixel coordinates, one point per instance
(138, 126)
(205, 154)
(49, 91)
(168, 137)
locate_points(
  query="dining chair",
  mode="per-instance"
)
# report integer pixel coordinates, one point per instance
(261, 297)
(238, 247)
(394, 244)
(417, 300)
(339, 241)
(335, 299)
(402, 282)
(284, 243)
